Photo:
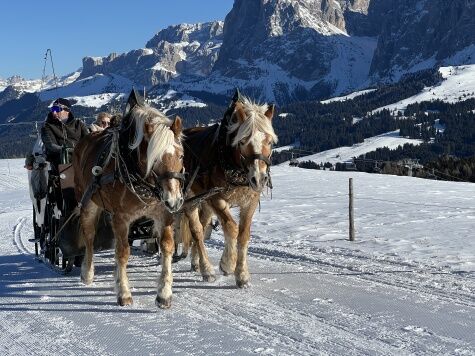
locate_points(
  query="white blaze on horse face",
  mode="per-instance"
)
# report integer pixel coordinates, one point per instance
(172, 195)
(257, 141)
(257, 172)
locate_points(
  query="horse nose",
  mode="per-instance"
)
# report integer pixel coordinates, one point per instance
(168, 205)
(174, 205)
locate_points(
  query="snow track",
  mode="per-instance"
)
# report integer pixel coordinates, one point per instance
(299, 304)
(310, 295)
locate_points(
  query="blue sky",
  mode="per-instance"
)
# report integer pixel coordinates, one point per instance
(75, 29)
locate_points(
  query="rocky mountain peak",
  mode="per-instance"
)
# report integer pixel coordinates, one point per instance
(188, 33)
(177, 50)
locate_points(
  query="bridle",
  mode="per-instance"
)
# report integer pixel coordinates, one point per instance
(157, 188)
(236, 174)
(246, 161)
(135, 181)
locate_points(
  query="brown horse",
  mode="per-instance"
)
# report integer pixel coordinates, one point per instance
(233, 155)
(140, 176)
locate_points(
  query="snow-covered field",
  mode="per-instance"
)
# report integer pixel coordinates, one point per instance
(405, 286)
(390, 140)
(458, 84)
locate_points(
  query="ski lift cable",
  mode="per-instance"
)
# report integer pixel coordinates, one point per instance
(43, 80)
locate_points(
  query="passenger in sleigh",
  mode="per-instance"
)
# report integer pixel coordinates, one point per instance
(103, 121)
(61, 131)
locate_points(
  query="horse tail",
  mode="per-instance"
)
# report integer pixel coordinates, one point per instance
(183, 234)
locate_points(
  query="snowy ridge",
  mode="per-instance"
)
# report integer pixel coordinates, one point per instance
(390, 140)
(92, 88)
(34, 85)
(458, 84)
(348, 97)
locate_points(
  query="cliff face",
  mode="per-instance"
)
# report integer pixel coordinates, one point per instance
(307, 40)
(177, 50)
(415, 35)
(332, 46)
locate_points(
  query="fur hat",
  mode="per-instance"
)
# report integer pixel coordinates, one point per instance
(62, 102)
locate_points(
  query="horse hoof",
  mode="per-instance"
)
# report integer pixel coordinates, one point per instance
(243, 284)
(209, 278)
(163, 303)
(195, 268)
(225, 272)
(124, 301)
(86, 281)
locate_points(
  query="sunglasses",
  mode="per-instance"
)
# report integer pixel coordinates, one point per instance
(105, 123)
(56, 108)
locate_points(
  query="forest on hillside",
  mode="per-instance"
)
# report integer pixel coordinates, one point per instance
(315, 127)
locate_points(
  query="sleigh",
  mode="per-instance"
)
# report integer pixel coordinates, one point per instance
(56, 223)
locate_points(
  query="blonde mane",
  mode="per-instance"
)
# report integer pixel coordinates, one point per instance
(256, 121)
(162, 140)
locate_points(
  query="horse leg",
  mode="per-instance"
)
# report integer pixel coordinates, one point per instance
(206, 269)
(167, 246)
(230, 229)
(206, 215)
(195, 258)
(88, 220)
(120, 226)
(242, 271)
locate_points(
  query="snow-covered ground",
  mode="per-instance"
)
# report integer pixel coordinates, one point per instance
(405, 286)
(458, 84)
(348, 97)
(390, 140)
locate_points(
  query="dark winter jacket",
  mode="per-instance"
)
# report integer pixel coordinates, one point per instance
(55, 134)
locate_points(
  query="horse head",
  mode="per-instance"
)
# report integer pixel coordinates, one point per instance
(251, 134)
(158, 141)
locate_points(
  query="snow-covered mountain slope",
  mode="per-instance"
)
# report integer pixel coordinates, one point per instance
(35, 85)
(458, 84)
(180, 50)
(405, 286)
(284, 51)
(350, 96)
(390, 140)
(91, 89)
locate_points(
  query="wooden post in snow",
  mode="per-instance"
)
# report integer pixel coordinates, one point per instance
(352, 222)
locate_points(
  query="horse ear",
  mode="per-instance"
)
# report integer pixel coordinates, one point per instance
(270, 111)
(239, 114)
(177, 126)
(236, 97)
(133, 100)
